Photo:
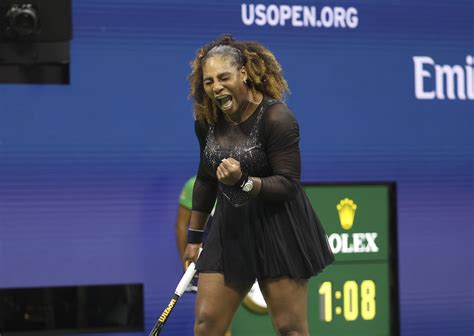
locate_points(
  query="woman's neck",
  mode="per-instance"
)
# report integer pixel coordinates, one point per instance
(247, 111)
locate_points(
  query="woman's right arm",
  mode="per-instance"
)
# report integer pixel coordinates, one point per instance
(198, 222)
(204, 195)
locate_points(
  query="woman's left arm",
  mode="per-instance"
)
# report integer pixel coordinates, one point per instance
(281, 134)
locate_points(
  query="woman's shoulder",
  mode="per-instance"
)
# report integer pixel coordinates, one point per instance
(277, 112)
(201, 127)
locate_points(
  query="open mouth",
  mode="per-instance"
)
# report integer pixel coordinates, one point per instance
(224, 102)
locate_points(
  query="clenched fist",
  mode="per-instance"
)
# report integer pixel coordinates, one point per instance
(229, 171)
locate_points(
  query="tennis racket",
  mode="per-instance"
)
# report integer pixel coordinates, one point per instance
(183, 283)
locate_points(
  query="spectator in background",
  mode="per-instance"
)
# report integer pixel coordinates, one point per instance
(183, 215)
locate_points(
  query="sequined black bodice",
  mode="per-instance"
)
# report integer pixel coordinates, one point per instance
(248, 151)
(266, 145)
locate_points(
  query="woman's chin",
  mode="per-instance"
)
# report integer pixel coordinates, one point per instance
(228, 108)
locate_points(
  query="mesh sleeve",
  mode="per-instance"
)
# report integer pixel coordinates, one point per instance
(205, 187)
(281, 133)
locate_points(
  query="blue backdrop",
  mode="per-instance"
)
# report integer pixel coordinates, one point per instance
(90, 173)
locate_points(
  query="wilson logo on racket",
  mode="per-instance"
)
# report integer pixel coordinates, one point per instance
(167, 311)
(183, 283)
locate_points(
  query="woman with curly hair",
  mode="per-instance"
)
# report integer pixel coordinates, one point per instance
(264, 227)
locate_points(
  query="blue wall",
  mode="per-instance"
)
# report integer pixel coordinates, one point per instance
(90, 173)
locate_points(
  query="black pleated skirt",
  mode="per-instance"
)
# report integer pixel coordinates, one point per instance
(261, 240)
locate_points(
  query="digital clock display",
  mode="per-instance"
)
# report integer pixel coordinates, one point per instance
(358, 294)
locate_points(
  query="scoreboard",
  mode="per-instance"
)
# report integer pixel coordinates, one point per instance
(358, 294)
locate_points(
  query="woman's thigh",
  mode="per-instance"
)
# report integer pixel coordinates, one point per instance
(287, 301)
(216, 303)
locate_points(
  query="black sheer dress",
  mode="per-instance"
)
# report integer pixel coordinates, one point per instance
(275, 234)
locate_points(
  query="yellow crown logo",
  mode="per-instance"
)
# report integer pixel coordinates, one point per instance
(346, 209)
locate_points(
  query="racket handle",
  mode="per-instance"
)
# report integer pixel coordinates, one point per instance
(185, 279)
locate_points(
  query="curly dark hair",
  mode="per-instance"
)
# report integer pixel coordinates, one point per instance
(263, 70)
